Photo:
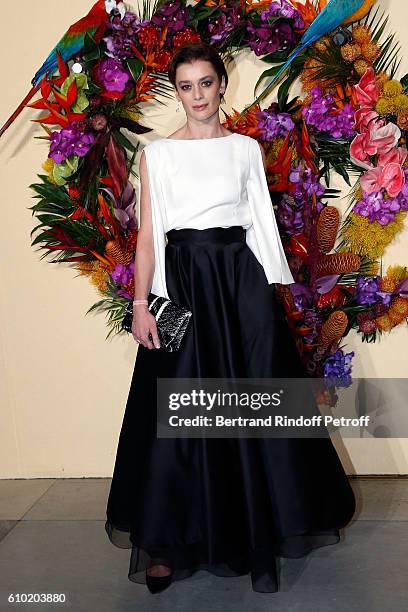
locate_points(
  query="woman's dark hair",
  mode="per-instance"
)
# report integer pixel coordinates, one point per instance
(190, 52)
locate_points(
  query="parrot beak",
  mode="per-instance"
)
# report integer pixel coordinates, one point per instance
(112, 6)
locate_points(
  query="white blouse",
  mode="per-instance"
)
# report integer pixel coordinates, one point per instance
(213, 182)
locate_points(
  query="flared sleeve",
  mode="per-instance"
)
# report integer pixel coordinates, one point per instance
(262, 236)
(159, 286)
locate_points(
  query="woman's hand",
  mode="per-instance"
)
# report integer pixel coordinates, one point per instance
(144, 325)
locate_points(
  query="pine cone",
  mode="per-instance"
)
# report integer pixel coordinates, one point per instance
(334, 328)
(337, 263)
(119, 254)
(327, 227)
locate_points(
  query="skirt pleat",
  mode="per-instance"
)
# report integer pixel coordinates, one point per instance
(231, 506)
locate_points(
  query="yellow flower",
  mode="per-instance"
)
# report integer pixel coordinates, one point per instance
(371, 239)
(398, 273)
(48, 166)
(401, 103)
(98, 275)
(385, 106)
(392, 88)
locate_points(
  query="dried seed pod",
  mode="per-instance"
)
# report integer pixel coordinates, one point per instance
(116, 252)
(327, 228)
(337, 263)
(334, 328)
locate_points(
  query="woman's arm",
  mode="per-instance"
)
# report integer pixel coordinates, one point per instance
(144, 328)
(144, 259)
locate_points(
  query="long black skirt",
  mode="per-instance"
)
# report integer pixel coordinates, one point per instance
(230, 506)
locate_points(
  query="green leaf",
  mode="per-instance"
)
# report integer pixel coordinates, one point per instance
(404, 81)
(81, 103)
(91, 50)
(271, 72)
(61, 172)
(135, 67)
(125, 142)
(283, 91)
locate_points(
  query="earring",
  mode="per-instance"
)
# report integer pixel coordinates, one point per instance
(178, 106)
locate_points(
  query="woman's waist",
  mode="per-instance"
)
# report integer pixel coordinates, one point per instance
(223, 235)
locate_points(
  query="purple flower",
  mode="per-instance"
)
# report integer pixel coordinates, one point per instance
(366, 289)
(112, 75)
(376, 207)
(122, 275)
(124, 207)
(289, 217)
(225, 23)
(314, 320)
(323, 114)
(384, 297)
(292, 207)
(56, 148)
(277, 33)
(269, 38)
(172, 14)
(70, 141)
(338, 365)
(284, 9)
(274, 124)
(123, 33)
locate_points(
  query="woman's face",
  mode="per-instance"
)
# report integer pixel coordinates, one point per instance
(198, 89)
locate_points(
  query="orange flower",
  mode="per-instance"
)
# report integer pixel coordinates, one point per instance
(308, 10)
(248, 124)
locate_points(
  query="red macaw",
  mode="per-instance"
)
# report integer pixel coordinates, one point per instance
(94, 23)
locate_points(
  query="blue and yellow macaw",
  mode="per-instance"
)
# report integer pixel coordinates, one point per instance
(334, 14)
(94, 23)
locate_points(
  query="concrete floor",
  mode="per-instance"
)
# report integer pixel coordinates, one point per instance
(52, 540)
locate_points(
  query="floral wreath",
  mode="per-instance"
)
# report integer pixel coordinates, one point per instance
(352, 120)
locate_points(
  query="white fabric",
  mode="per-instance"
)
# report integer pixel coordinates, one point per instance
(213, 182)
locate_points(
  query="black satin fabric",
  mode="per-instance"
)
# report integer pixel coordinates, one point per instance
(229, 506)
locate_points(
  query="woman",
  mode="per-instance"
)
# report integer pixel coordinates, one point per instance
(230, 506)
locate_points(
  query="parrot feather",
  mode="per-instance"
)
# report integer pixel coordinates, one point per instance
(330, 17)
(72, 42)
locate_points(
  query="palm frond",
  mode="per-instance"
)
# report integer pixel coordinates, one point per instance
(334, 154)
(113, 307)
(148, 9)
(389, 58)
(333, 67)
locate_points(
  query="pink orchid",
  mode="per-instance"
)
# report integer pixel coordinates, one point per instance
(390, 177)
(375, 139)
(367, 90)
(363, 118)
(396, 156)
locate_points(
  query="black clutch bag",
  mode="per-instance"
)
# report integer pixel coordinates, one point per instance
(171, 320)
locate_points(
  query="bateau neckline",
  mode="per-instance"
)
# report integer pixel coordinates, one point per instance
(200, 139)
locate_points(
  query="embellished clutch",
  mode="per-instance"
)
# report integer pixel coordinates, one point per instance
(171, 320)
